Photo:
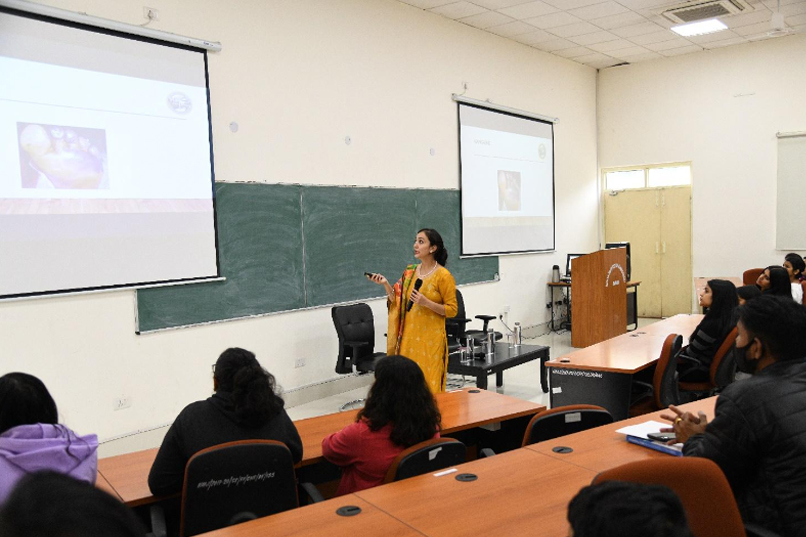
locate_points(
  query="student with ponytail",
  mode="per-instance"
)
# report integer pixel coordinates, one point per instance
(245, 406)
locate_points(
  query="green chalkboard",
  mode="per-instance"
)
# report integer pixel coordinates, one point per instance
(260, 252)
(286, 247)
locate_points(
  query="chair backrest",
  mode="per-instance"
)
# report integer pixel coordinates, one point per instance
(664, 382)
(750, 276)
(354, 323)
(723, 367)
(564, 420)
(699, 483)
(235, 482)
(454, 328)
(428, 456)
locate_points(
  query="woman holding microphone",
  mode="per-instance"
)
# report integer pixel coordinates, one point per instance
(417, 311)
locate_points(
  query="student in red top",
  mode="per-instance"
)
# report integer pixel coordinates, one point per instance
(400, 411)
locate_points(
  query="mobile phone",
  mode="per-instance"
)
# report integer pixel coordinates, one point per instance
(368, 274)
(662, 437)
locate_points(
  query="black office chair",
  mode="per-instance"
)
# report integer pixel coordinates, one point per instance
(238, 481)
(564, 420)
(428, 456)
(355, 326)
(456, 327)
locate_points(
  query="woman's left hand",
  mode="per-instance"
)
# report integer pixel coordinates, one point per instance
(418, 298)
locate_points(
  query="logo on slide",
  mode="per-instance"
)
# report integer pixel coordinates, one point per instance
(541, 151)
(179, 102)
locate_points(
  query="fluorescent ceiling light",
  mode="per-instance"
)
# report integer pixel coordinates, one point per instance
(699, 28)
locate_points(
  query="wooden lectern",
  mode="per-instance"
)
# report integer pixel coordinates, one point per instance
(599, 296)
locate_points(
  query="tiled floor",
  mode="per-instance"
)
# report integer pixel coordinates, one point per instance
(522, 381)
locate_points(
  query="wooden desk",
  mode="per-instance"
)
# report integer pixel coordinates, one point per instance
(521, 492)
(632, 303)
(461, 410)
(602, 374)
(321, 519)
(603, 448)
(103, 484)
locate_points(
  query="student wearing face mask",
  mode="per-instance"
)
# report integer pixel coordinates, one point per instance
(758, 434)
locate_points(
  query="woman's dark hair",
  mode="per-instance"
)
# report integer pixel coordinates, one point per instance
(252, 388)
(622, 509)
(779, 323)
(441, 255)
(748, 292)
(797, 263)
(723, 304)
(401, 397)
(53, 504)
(779, 282)
(25, 400)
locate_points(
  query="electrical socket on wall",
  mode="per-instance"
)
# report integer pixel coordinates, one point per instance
(122, 402)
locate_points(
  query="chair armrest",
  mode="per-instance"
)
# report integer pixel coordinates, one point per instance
(486, 318)
(356, 344)
(158, 526)
(684, 358)
(754, 530)
(457, 320)
(486, 452)
(312, 493)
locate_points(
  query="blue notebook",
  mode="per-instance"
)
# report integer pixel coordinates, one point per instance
(674, 450)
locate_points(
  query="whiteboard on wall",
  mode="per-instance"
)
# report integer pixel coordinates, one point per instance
(791, 212)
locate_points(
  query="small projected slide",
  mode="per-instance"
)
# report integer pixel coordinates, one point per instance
(507, 181)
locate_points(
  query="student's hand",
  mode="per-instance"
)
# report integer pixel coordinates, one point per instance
(684, 424)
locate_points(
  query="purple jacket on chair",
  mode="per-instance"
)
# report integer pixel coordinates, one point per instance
(33, 448)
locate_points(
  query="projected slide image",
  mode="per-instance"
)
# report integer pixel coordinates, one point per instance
(62, 157)
(509, 190)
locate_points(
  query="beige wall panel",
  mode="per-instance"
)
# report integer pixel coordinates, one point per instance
(634, 216)
(675, 234)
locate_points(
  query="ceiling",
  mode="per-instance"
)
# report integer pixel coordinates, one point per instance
(604, 33)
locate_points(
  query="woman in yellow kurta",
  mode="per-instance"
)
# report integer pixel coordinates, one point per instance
(419, 334)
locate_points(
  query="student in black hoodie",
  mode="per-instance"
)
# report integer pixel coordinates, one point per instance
(243, 407)
(720, 297)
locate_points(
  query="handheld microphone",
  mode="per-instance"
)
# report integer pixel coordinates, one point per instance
(417, 285)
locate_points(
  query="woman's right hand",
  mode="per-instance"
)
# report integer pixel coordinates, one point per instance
(379, 279)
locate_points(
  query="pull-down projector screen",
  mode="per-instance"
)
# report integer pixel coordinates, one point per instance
(507, 182)
(106, 173)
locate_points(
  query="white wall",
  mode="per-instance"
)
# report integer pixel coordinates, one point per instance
(719, 109)
(298, 76)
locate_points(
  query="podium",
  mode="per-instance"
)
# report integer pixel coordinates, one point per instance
(599, 291)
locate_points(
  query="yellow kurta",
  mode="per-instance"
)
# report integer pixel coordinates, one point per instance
(424, 339)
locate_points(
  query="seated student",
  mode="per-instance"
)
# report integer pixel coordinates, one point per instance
(758, 435)
(243, 407)
(32, 440)
(774, 280)
(400, 411)
(47, 503)
(622, 509)
(720, 297)
(795, 267)
(747, 292)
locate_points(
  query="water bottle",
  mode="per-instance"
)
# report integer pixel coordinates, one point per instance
(490, 344)
(555, 273)
(518, 335)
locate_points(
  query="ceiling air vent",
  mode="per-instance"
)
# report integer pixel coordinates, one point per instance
(705, 9)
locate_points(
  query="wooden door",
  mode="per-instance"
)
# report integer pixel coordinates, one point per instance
(675, 248)
(634, 216)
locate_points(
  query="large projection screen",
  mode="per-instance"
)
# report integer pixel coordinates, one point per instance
(506, 171)
(106, 167)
